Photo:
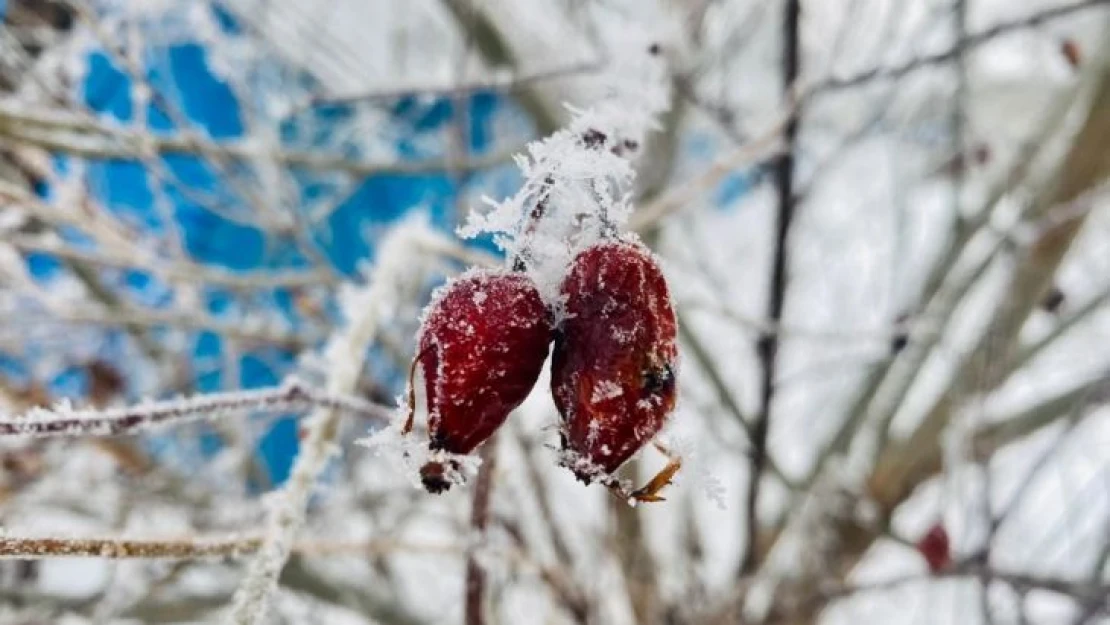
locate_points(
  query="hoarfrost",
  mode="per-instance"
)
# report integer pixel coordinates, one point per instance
(577, 180)
(605, 389)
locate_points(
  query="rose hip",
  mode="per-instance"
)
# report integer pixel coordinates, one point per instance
(482, 345)
(614, 361)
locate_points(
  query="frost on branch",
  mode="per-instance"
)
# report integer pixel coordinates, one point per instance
(63, 419)
(365, 309)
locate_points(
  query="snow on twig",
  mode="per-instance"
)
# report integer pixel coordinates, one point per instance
(365, 309)
(292, 396)
(578, 180)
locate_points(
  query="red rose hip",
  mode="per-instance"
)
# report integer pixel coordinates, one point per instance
(614, 361)
(482, 345)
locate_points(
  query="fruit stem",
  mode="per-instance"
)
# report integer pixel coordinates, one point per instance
(534, 217)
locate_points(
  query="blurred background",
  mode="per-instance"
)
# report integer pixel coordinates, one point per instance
(886, 232)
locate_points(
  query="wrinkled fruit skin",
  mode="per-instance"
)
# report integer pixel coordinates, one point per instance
(481, 347)
(614, 360)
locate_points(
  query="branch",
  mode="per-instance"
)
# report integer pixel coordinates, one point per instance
(27, 548)
(71, 134)
(177, 270)
(497, 52)
(496, 82)
(755, 151)
(365, 310)
(245, 330)
(1081, 171)
(962, 46)
(1019, 581)
(768, 343)
(290, 397)
(190, 547)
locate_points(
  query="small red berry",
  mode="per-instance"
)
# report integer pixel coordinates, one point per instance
(935, 547)
(482, 345)
(1072, 54)
(614, 361)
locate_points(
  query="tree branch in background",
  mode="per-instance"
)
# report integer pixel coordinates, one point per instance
(768, 342)
(974, 40)
(344, 354)
(502, 83)
(475, 586)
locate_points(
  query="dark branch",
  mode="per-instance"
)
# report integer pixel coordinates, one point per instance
(974, 40)
(768, 344)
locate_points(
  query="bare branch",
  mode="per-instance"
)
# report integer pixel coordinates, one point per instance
(55, 131)
(768, 343)
(506, 83)
(963, 45)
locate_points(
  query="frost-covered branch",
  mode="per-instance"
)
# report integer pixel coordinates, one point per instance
(497, 82)
(175, 270)
(190, 547)
(251, 331)
(54, 131)
(64, 420)
(365, 310)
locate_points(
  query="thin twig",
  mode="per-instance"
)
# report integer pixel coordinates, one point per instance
(191, 547)
(175, 269)
(345, 352)
(1020, 581)
(63, 132)
(247, 331)
(755, 151)
(971, 41)
(768, 343)
(290, 397)
(507, 83)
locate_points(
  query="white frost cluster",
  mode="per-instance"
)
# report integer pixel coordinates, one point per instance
(580, 177)
(414, 453)
(696, 466)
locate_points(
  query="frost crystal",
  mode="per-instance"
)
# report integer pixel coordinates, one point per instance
(578, 180)
(605, 389)
(694, 464)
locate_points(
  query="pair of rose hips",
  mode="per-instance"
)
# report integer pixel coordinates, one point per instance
(484, 340)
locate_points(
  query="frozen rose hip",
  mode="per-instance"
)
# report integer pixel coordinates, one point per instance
(481, 347)
(613, 365)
